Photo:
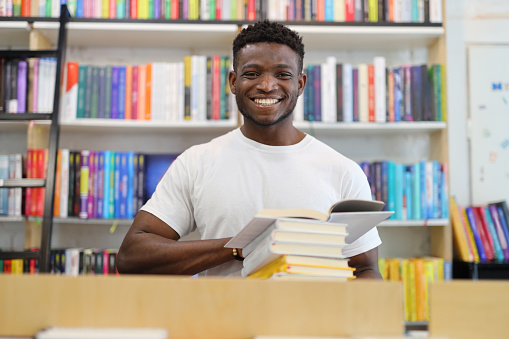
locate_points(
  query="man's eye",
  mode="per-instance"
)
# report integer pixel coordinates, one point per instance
(284, 75)
(250, 74)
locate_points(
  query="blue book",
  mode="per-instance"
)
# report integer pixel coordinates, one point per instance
(106, 184)
(135, 185)
(416, 190)
(408, 192)
(130, 184)
(398, 94)
(391, 181)
(399, 186)
(116, 185)
(79, 9)
(422, 184)
(111, 202)
(4, 192)
(477, 235)
(121, 93)
(308, 100)
(499, 254)
(156, 166)
(436, 189)
(447, 270)
(124, 179)
(329, 10)
(317, 93)
(114, 91)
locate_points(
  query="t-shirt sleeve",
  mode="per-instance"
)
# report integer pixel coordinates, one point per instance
(171, 201)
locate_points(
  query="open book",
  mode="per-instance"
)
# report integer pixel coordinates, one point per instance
(360, 216)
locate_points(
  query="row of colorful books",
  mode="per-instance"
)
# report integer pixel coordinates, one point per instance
(27, 85)
(340, 92)
(481, 233)
(67, 261)
(196, 89)
(416, 275)
(95, 184)
(416, 11)
(413, 191)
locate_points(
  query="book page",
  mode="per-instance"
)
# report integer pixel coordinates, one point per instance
(359, 222)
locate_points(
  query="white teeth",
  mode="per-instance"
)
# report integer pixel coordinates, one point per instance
(266, 102)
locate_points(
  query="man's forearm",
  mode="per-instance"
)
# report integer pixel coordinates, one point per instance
(152, 254)
(368, 274)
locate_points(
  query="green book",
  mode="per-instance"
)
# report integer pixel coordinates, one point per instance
(95, 93)
(212, 9)
(107, 96)
(150, 9)
(82, 78)
(88, 93)
(167, 9)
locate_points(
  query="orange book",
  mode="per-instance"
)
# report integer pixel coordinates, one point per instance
(41, 156)
(216, 87)
(320, 10)
(142, 81)
(148, 92)
(128, 92)
(459, 234)
(174, 9)
(25, 7)
(58, 185)
(35, 174)
(371, 93)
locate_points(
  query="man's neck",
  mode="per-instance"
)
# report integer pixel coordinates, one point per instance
(277, 135)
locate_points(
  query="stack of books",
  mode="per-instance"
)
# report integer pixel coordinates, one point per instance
(298, 248)
(303, 243)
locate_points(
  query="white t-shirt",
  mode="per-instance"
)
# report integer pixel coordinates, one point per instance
(219, 186)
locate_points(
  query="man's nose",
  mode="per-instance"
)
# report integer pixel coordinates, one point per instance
(267, 83)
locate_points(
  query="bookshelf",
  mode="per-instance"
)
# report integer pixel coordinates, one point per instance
(127, 41)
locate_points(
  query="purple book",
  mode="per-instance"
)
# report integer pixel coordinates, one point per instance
(91, 184)
(355, 90)
(115, 71)
(22, 86)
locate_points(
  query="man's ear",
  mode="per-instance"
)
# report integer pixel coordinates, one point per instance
(232, 78)
(302, 82)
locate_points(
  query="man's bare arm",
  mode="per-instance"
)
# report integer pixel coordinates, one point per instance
(151, 247)
(366, 265)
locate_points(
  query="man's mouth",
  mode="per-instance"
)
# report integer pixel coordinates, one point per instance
(266, 102)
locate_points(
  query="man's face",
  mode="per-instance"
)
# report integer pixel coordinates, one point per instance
(267, 82)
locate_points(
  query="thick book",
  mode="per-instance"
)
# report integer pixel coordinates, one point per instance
(281, 265)
(360, 216)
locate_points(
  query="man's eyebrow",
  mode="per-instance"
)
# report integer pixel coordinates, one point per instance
(258, 66)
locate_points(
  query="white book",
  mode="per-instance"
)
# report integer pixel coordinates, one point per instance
(420, 10)
(167, 91)
(298, 112)
(181, 93)
(55, 9)
(347, 93)
(98, 9)
(380, 89)
(339, 11)
(325, 92)
(64, 183)
(71, 95)
(398, 10)
(204, 10)
(4, 192)
(202, 87)
(363, 93)
(272, 10)
(72, 261)
(332, 90)
(435, 11)
(226, 10)
(173, 103)
(3, 7)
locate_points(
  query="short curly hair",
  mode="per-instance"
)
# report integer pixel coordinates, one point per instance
(266, 31)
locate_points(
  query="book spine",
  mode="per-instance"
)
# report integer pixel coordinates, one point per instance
(114, 92)
(95, 93)
(84, 175)
(22, 86)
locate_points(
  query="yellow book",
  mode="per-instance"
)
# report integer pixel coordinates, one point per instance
(382, 267)
(187, 87)
(412, 290)
(395, 269)
(406, 288)
(373, 11)
(429, 268)
(459, 235)
(420, 289)
(105, 9)
(282, 265)
(17, 266)
(470, 235)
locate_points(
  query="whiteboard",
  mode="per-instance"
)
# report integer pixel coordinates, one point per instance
(488, 84)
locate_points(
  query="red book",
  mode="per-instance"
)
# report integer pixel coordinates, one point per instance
(113, 9)
(349, 10)
(128, 92)
(174, 9)
(134, 94)
(133, 9)
(25, 7)
(371, 93)
(219, 9)
(216, 85)
(142, 82)
(148, 92)
(251, 10)
(480, 221)
(320, 10)
(29, 175)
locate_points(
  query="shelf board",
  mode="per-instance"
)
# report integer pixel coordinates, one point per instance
(106, 222)
(22, 182)
(10, 218)
(19, 255)
(128, 126)
(219, 35)
(27, 53)
(15, 34)
(132, 34)
(24, 116)
(317, 37)
(414, 223)
(371, 127)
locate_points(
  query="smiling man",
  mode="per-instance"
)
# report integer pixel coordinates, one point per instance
(219, 186)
